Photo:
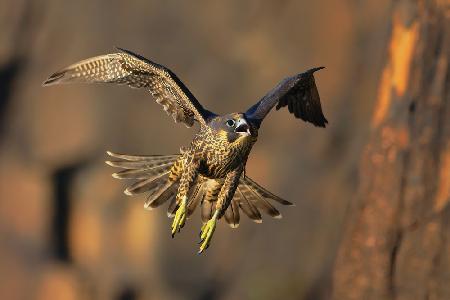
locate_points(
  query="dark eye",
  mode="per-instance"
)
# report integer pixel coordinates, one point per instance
(230, 123)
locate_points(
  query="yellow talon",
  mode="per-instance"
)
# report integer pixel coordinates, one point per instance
(180, 217)
(207, 232)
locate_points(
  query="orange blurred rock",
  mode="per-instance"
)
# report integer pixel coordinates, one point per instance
(59, 282)
(85, 236)
(140, 234)
(15, 278)
(25, 206)
(93, 195)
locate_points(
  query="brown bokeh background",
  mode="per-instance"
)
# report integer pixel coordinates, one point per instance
(66, 229)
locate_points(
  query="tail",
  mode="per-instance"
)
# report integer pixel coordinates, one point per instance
(250, 198)
(158, 175)
(153, 173)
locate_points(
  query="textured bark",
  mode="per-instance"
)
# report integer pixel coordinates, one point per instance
(397, 241)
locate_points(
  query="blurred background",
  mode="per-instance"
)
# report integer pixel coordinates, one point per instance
(66, 229)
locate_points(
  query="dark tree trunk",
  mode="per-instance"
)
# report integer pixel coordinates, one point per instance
(397, 241)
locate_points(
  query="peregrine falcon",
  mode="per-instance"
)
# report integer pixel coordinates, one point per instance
(210, 172)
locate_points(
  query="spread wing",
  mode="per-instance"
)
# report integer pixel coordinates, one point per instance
(299, 93)
(136, 71)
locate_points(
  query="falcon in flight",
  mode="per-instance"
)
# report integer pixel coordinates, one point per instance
(210, 172)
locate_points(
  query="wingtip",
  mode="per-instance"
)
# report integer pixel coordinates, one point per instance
(147, 206)
(109, 163)
(287, 203)
(279, 216)
(127, 192)
(322, 123)
(313, 70)
(54, 78)
(259, 221)
(119, 48)
(317, 69)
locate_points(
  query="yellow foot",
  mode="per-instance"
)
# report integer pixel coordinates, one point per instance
(180, 217)
(207, 232)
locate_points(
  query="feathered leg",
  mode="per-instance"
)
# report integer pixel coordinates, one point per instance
(223, 201)
(187, 180)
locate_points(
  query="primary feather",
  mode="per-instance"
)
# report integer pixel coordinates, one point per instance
(136, 71)
(299, 93)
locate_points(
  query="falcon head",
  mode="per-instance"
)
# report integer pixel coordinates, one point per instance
(234, 126)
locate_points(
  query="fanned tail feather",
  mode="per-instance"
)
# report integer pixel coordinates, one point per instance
(172, 208)
(142, 158)
(152, 174)
(207, 210)
(142, 173)
(212, 189)
(196, 196)
(231, 215)
(147, 185)
(250, 197)
(259, 201)
(247, 207)
(262, 191)
(166, 192)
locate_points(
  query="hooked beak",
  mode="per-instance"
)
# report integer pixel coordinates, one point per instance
(242, 127)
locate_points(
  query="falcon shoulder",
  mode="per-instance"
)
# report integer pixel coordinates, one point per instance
(128, 68)
(299, 93)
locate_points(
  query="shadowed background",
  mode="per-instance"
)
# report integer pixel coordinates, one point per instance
(66, 229)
